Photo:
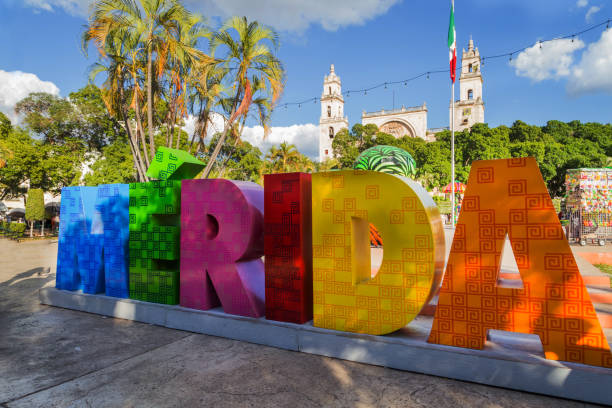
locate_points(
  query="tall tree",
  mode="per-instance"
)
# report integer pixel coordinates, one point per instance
(284, 158)
(149, 43)
(247, 50)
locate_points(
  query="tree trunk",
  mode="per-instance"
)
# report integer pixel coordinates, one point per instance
(215, 153)
(135, 155)
(42, 228)
(150, 99)
(133, 145)
(168, 134)
(140, 132)
(31, 228)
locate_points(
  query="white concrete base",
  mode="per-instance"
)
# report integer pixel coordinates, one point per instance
(509, 360)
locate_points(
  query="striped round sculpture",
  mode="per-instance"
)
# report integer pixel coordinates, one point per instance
(386, 159)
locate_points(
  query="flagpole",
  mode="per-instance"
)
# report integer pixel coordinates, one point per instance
(453, 73)
(453, 154)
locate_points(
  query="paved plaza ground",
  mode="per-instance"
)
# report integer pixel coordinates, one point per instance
(51, 357)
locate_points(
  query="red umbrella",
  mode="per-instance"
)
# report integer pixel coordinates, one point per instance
(459, 188)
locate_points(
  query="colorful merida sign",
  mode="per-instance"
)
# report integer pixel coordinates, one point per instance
(199, 243)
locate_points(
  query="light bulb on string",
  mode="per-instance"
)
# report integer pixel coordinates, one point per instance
(428, 75)
(365, 93)
(540, 44)
(405, 83)
(385, 85)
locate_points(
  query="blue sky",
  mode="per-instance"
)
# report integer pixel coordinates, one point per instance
(369, 41)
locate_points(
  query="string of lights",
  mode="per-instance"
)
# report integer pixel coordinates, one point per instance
(427, 74)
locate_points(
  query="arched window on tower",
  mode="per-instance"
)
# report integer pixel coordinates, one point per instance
(470, 68)
(328, 111)
(329, 89)
(331, 132)
(470, 94)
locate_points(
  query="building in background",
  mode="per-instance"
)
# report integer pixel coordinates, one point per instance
(406, 121)
(469, 109)
(332, 114)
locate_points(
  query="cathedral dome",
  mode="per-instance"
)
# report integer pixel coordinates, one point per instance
(386, 159)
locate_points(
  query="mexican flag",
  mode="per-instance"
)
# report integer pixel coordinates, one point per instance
(452, 43)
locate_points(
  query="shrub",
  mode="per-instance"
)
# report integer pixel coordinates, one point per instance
(35, 207)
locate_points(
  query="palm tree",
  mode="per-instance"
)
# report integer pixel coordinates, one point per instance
(326, 165)
(304, 164)
(205, 91)
(285, 158)
(160, 33)
(257, 76)
(115, 90)
(181, 64)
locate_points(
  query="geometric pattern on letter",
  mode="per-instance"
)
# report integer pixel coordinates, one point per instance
(80, 241)
(222, 246)
(113, 205)
(509, 198)
(345, 296)
(288, 247)
(154, 229)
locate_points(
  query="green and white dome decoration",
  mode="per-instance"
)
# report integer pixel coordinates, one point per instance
(386, 159)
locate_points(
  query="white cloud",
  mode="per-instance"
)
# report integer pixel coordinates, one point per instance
(552, 59)
(74, 7)
(591, 12)
(305, 138)
(284, 15)
(297, 15)
(16, 85)
(592, 73)
(582, 3)
(216, 124)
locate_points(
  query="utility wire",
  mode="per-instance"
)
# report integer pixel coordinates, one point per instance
(427, 74)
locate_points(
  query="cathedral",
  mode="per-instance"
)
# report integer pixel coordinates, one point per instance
(406, 121)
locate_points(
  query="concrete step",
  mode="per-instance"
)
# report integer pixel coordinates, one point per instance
(600, 295)
(604, 314)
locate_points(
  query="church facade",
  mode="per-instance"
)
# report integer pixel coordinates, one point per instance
(406, 121)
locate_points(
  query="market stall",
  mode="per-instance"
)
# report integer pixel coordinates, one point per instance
(588, 205)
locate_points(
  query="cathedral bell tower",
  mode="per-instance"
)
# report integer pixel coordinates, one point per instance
(469, 109)
(332, 114)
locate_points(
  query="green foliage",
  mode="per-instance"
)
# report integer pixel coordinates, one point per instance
(81, 118)
(46, 166)
(16, 229)
(5, 126)
(557, 146)
(114, 165)
(95, 126)
(237, 160)
(35, 205)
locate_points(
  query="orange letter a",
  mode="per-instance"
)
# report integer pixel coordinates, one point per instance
(509, 198)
